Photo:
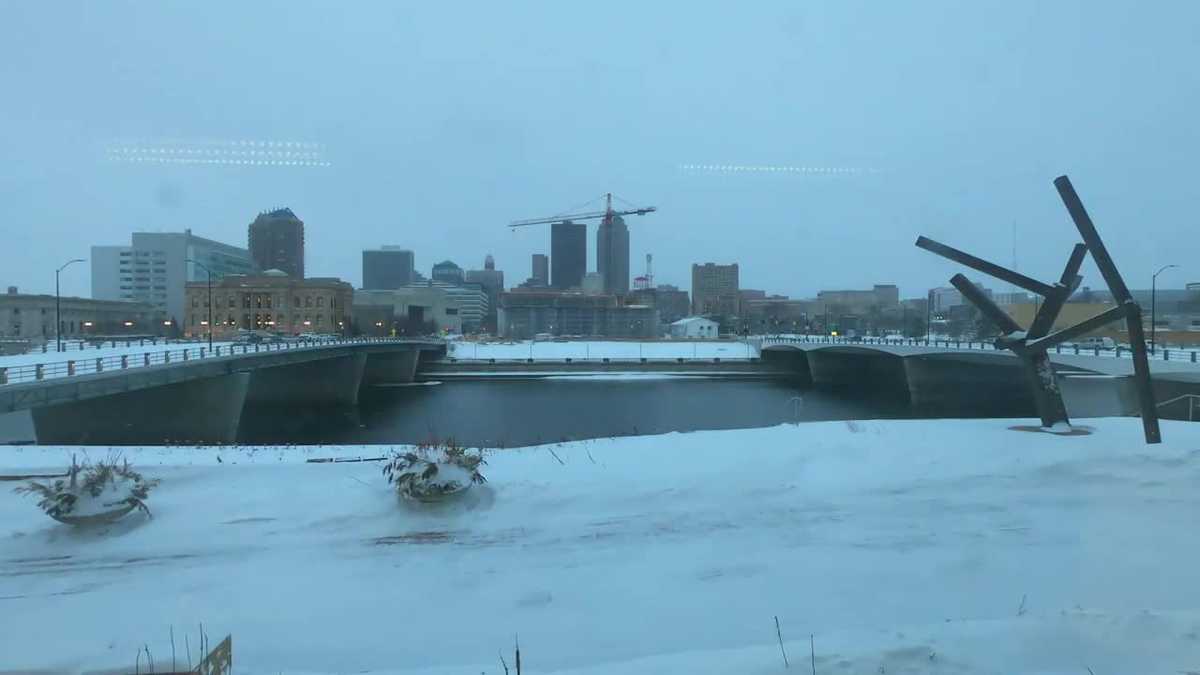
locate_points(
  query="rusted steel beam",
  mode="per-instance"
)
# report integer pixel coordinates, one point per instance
(985, 305)
(1047, 397)
(989, 268)
(1070, 276)
(1133, 313)
(1048, 312)
(1141, 372)
(1083, 327)
(1087, 230)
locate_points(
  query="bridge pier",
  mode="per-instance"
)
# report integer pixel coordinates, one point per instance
(859, 371)
(969, 385)
(332, 381)
(1093, 395)
(197, 411)
(391, 368)
(790, 360)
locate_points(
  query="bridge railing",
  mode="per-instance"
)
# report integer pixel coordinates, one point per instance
(135, 358)
(971, 345)
(597, 360)
(78, 345)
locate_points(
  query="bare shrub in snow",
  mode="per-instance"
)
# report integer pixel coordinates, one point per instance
(434, 471)
(92, 493)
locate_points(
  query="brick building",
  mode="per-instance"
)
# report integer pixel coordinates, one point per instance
(272, 302)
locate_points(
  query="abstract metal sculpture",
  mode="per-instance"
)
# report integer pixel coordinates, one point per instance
(1031, 345)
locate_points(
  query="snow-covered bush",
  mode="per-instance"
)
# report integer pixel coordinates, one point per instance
(93, 493)
(434, 471)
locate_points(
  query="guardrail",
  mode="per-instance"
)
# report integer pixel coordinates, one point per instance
(973, 345)
(599, 360)
(81, 366)
(77, 345)
(1190, 398)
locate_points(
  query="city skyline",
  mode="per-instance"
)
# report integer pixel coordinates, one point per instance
(358, 280)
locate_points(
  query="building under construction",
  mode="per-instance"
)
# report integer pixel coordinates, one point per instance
(526, 313)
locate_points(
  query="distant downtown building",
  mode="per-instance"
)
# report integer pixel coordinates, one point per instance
(715, 290)
(670, 301)
(612, 254)
(880, 296)
(154, 268)
(540, 273)
(777, 314)
(593, 283)
(568, 254)
(271, 301)
(387, 267)
(276, 240)
(447, 272)
(24, 315)
(413, 309)
(946, 298)
(527, 313)
(491, 280)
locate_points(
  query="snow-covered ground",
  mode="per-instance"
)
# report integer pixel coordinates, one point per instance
(955, 546)
(600, 349)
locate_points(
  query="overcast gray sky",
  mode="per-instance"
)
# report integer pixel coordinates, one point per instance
(443, 121)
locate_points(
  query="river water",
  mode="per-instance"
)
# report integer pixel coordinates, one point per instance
(506, 413)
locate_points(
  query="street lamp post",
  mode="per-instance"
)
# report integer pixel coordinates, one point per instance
(58, 305)
(1153, 305)
(928, 315)
(210, 320)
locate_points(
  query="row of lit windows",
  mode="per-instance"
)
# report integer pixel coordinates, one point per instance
(263, 301)
(266, 321)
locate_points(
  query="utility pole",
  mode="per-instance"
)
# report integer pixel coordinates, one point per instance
(210, 308)
(58, 305)
(928, 315)
(1153, 303)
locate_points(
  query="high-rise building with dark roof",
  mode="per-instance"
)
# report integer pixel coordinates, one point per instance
(388, 267)
(612, 255)
(276, 241)
(541, 269)
(568, 254)
(447, 272)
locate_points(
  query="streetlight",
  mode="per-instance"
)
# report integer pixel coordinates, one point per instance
(1153, 308)
(928, 315)
(210, 323)
(58, 304)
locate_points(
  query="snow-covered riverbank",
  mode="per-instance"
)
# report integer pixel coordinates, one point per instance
(903, 546)
(603, 349)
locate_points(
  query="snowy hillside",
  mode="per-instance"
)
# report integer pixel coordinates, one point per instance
(902, 546)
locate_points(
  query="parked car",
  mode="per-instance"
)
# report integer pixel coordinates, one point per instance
(247, 337)
(1096, 341)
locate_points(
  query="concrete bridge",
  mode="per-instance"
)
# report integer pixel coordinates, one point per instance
(949, 375)
(198, 395)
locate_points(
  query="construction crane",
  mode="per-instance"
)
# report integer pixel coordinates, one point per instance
(607, 214)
